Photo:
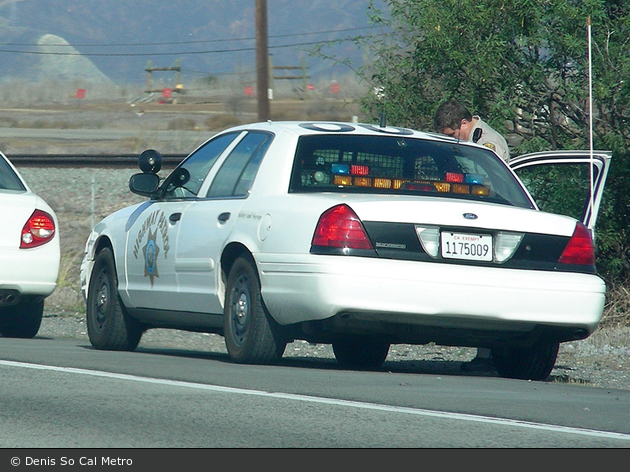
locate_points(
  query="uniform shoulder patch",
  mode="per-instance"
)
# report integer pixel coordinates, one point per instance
(491, 146)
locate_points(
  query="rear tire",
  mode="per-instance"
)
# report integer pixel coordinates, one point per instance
(109, 326)
(360, 352)
(22, 320)
(526, 363)
(251, 335)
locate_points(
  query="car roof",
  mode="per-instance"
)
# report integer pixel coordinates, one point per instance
(314, 127)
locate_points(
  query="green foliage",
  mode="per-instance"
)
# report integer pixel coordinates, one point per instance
(559, 189)
(613, 231)
(523, 65)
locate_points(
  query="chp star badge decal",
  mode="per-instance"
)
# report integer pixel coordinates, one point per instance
(146, 249)
(151, 251)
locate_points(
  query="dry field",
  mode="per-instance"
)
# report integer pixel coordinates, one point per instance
(144, 121)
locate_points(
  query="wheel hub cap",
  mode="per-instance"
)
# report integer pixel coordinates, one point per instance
(241, 310)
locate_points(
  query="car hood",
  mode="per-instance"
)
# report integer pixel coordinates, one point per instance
(15, 209)
(121, 219)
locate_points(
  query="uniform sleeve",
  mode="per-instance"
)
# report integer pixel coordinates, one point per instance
(493, 140)
(499, 148)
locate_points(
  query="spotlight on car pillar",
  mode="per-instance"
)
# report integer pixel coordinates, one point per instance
(150, 161)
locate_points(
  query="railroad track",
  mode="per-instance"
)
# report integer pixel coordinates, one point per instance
(83, 160)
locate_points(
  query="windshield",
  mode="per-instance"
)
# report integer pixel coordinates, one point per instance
(403, 166)
(8, 178)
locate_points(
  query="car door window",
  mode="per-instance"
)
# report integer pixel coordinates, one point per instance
(559, 188)
(236, 175)
(8, 179)
(186, 180)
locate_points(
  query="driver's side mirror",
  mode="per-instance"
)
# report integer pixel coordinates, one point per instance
(145, 184)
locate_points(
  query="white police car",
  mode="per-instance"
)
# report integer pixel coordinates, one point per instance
(356, 235)
(29, 254)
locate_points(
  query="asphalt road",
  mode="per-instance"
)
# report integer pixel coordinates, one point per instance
(61, 393)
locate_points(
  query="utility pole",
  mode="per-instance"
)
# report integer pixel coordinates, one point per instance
(262, 60)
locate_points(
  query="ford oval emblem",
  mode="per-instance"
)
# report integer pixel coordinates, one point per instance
(470, 216)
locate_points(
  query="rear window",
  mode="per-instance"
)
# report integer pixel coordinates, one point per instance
(402, 166)
(8, 178)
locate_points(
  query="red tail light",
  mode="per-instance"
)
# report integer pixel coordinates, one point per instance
(38, 230)
(579, 249)
(341, 227)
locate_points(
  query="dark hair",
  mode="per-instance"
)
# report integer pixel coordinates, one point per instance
(450, 114)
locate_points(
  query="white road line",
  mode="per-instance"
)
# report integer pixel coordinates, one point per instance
(328, 401)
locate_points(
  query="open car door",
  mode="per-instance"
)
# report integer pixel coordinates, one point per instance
(565, 182)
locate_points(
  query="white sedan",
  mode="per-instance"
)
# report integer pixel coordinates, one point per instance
(356, 235)
(29, 254)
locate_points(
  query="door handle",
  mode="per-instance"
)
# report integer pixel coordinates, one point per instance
(175, 217)
(223, 217)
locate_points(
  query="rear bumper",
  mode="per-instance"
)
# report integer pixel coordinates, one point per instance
(433, 295)
(30, 271)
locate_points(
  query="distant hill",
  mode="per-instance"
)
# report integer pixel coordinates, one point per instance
(208, 37)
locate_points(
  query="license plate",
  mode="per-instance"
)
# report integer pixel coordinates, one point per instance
(471, 247)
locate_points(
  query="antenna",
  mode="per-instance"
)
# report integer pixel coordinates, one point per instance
(383, 123)
(590, 115)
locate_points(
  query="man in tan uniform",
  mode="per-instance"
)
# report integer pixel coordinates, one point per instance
(454, 119)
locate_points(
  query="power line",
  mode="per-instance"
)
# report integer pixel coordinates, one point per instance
(200, 41)
(178, 53)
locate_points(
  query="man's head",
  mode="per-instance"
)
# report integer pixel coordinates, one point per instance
(453, 119)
